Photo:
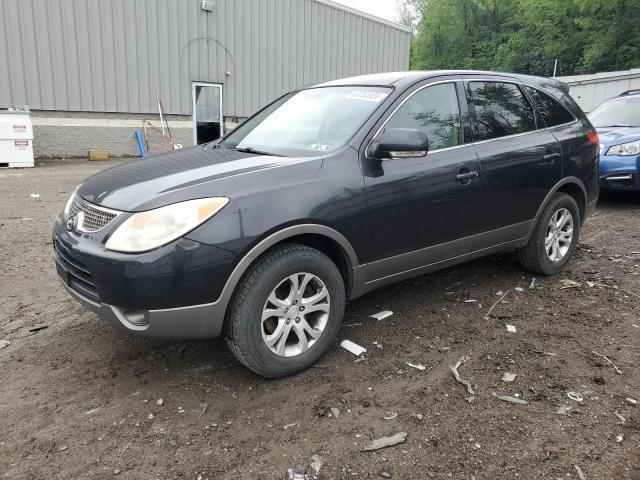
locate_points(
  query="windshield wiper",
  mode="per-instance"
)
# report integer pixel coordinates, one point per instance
(253, 150)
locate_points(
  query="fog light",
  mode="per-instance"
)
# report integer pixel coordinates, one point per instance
(135, 319)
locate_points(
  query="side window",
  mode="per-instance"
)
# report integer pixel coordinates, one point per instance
(550, 109)
(433, 110)
(500, 110)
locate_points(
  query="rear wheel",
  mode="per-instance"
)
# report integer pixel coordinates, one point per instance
(286, 311)
(554, 238)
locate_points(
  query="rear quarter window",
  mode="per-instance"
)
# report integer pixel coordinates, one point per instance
(550, 110)
(499, 109)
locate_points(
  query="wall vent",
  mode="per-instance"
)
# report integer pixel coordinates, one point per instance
(208, 5)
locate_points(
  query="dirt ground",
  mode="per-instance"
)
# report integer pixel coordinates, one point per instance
(79, 400)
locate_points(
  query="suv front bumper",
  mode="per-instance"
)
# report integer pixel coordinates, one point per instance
(193, 322)
(175, 291)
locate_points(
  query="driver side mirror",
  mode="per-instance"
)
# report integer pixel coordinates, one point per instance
(402, 143)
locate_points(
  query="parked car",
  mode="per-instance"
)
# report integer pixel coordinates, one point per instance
(618, 124)
(324, 195)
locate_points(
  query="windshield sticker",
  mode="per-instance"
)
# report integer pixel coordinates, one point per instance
(367, 95)
(323, 147)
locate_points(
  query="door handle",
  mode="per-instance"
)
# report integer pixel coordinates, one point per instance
(550, 158)
(466, 177)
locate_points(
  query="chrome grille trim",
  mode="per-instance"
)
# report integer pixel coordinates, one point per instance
(91, 218)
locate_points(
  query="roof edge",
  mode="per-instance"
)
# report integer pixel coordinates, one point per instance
(368, 16)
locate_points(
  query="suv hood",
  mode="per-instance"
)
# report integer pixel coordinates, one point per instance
(187, 174)
(616, 135)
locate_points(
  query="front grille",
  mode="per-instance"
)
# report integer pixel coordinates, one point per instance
(93, 218)
(79, 276)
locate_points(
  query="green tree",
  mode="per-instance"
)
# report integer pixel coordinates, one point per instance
(527, 36)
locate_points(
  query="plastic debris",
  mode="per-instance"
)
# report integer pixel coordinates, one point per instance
(620, 417)
(575, 396)
(566, 283)
(519, 289)
(353, 347)
(509, 377)
(382, 315)
(289, 425)
(471, 300)
(581, 475)
(632, 401)
(619, 438)
(335, 412)
(390, 416)
(506, 398)
(4, 344)
(316, 463)
(159, 402)
(35, 195)
(384, 442)
(456, 375)
(533, 283)
(511, 328)
(385, 473)
(563, 410)
(417, 366)
(299, 473)
(37, 328)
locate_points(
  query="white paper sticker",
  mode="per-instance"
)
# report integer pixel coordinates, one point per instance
(367, 95)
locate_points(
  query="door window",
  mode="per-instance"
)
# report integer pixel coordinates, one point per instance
(549, 109)
(207, 112)
(433, 110)
(500, 109)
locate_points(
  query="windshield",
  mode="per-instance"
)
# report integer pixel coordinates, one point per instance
(308, 123)
(621, 112)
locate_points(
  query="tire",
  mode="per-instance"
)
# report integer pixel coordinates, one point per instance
(272, 276)
(535, 257)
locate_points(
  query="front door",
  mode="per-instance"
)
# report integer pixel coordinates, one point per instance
(518, 163)
(421, 211)
(207, 112)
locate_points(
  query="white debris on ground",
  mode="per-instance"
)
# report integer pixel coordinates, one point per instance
(382, 315)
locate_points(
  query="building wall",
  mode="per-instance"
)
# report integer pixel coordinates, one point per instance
(118, 55)
(589, 91)
(73, 134)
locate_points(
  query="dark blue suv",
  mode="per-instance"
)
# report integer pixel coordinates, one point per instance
(326, 194)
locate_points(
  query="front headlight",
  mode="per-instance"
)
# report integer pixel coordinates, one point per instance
(145, 231)
(625, 149)
(67, 206)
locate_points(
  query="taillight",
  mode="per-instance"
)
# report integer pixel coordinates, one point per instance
(592, 136)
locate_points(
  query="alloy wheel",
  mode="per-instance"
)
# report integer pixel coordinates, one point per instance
(295, 314)
(559, 235)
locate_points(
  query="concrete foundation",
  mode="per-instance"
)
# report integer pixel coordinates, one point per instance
(73, 134)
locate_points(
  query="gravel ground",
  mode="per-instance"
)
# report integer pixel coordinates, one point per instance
(80, 400)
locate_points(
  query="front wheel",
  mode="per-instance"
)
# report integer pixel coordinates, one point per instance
(554, 238)
(286, 311)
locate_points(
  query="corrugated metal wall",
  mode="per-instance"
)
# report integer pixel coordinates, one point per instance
(116, 55)
(589, 91)
(590, 95)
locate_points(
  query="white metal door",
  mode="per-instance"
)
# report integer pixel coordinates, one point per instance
(208, 122)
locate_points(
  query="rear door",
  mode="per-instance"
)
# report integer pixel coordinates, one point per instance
(518, 163)
(421, 211)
